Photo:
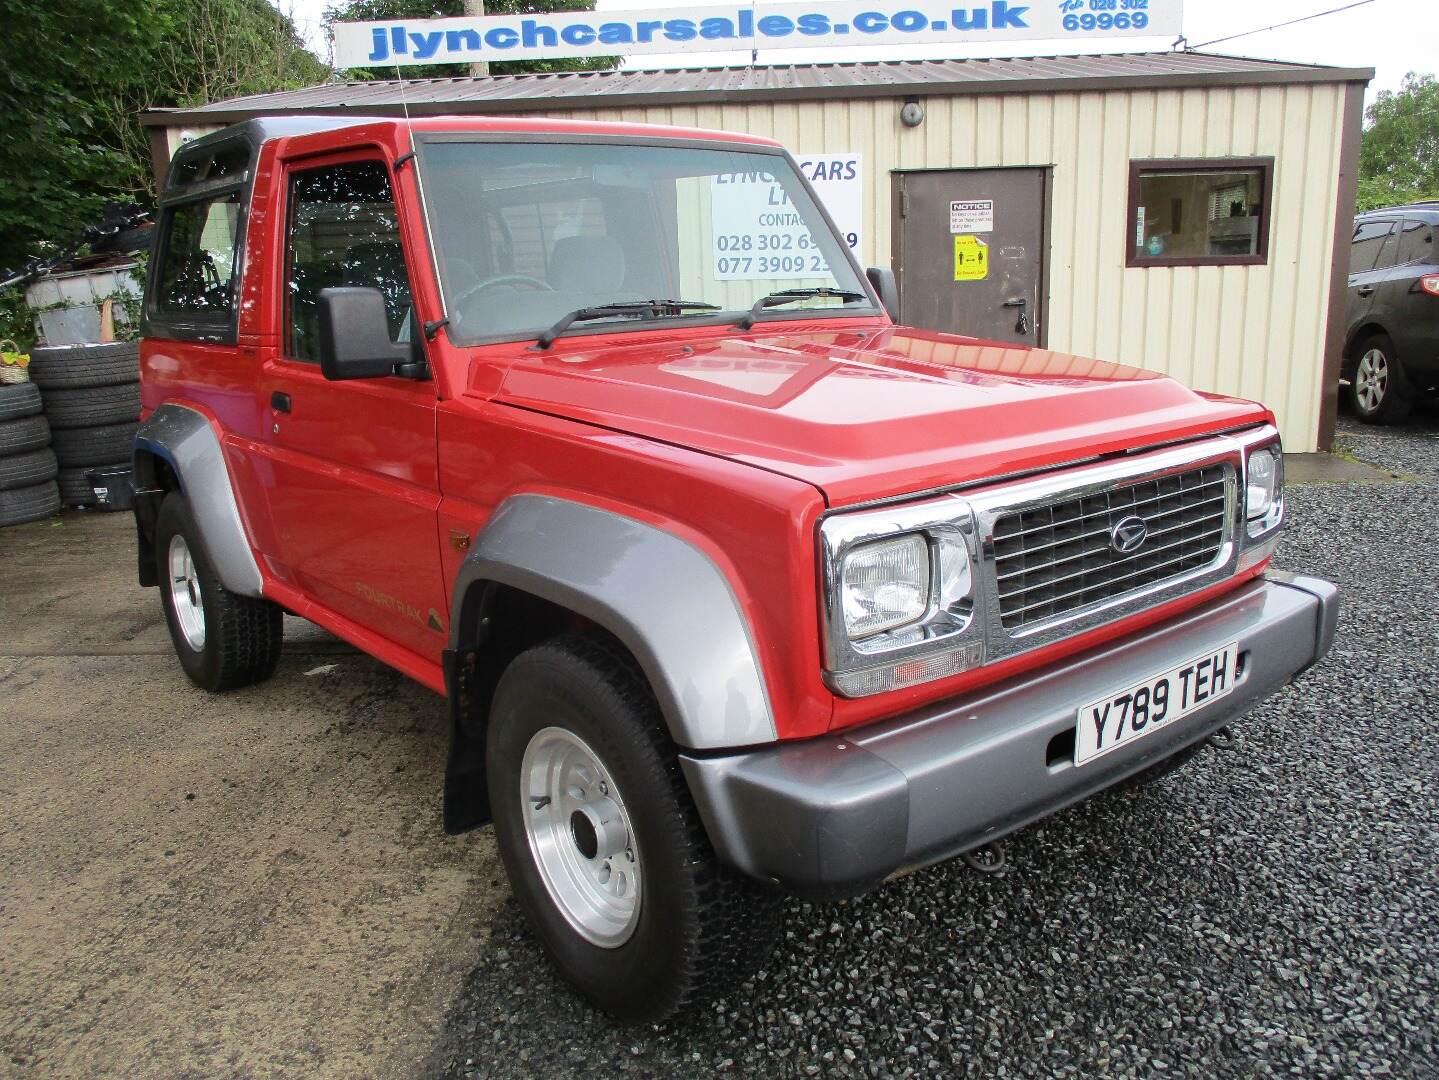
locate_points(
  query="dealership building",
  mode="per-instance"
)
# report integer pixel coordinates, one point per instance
(1184, 212)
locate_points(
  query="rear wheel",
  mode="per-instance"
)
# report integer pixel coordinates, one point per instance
(602, 844)
(223, 640)
(1379, 392)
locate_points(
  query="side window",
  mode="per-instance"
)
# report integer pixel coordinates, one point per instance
(1416, 244)
(343, 231)
(1368, 239)
(196, 274)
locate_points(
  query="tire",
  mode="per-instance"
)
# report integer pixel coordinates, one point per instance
(75, 490)
(1379, 392)
(29, 503)
(692, 927)
(91, 406)
(238, 638)
(23, 435)
(19, 399)
(67, 367)
(102, 445)
(27, 469)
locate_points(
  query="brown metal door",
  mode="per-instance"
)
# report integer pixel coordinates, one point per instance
(969, 251)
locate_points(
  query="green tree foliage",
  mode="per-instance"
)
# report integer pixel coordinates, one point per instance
(1399, 155)
(75, 77)
(379, 10)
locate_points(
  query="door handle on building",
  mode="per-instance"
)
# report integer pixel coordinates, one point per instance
(1021, 324)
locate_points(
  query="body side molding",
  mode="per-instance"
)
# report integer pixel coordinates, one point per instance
(185, 439)
(661, 596)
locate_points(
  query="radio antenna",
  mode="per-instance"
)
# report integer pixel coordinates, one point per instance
(405, 107)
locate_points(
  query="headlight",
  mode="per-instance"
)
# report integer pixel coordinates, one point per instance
(1264, 489)
(885, 585)
(899, 596)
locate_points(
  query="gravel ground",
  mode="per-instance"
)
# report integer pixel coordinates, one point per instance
(1270, 911)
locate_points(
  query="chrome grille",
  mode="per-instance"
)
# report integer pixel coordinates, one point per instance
(1057, 558)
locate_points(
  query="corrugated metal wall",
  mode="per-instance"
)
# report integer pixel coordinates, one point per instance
(1252, 331)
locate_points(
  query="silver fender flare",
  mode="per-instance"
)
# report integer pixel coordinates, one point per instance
(184, 439)
(663, 597)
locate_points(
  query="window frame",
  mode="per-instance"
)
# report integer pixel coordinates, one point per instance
(293, 167)
(211, 330)
(424, 140)
(1433, 248)
(1135, 259)
(1391, 230)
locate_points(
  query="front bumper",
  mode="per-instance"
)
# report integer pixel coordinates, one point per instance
(836, 816)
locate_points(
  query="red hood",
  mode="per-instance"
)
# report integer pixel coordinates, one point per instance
(869, 413)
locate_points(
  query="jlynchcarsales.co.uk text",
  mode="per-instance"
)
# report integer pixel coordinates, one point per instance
(395, 41)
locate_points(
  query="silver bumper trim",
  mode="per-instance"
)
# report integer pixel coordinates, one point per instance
(837, 815)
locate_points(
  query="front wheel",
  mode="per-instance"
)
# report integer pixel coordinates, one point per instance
(1378, 390)
(223, 640)
(602, 844)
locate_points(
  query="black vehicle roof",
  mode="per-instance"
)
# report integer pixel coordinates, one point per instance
(193, 162)
(1425, 207)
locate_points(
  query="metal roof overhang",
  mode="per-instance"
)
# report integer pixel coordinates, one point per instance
(744, 85)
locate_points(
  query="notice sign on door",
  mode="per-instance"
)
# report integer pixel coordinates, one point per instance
(971, 216)
(757, 234)
(971, 259)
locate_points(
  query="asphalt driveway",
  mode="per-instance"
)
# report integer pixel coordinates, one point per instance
(257, 885)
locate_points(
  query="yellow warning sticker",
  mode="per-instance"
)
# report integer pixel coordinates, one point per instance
(971, 259)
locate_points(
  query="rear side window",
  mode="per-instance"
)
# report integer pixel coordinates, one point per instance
(343, 231)
(1416, 244)
(196, 275)
(1369, 238)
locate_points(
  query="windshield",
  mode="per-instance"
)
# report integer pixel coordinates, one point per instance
(527, 232)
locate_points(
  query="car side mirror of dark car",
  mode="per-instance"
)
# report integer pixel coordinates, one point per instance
(882, 278)
(355, 335)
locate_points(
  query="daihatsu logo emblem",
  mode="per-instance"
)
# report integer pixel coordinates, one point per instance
(1128, 536)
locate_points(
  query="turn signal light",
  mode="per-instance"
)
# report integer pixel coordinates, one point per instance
(1430, 284)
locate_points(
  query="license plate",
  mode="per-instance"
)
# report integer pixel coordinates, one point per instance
(1118, 719)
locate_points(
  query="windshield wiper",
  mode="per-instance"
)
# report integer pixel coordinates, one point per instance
(618, 310)
(790, 296)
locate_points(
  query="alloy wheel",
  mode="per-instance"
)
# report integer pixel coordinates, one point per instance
(580, 837)
(185, 595)
(1371, 380)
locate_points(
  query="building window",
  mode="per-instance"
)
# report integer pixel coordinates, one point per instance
(1199, 212)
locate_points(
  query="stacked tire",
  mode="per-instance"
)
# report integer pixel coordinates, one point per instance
(28, 468)
(92, 401)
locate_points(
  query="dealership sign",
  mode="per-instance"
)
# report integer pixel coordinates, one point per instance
(727, 27)
(757, 235)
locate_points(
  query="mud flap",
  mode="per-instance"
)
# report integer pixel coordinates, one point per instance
(467, 797)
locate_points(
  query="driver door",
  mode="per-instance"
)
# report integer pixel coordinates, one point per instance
(355, 489)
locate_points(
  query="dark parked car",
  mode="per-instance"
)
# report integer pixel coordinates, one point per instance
(1393, 341)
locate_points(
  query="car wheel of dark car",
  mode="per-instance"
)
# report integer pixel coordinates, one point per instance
(223, 640)
(603, 847)
(1379, 393)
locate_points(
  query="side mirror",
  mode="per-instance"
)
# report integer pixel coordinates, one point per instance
(355, 335)
(882, 278)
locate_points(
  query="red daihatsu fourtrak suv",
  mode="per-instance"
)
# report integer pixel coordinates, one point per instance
(734, 586)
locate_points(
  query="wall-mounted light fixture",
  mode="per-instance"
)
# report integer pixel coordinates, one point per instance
(911, 113)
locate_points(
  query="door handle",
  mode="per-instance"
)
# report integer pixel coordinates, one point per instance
(1365, 290)
(280, 401)
(1016, 301)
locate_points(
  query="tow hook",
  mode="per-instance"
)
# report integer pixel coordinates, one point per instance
(1224, 739)
(987, 858)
